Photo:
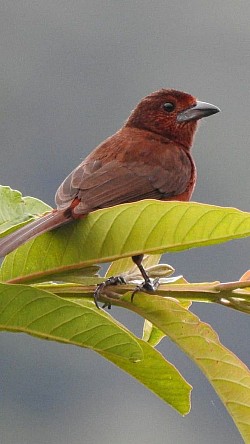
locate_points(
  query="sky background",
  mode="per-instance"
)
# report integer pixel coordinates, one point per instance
(71, 71)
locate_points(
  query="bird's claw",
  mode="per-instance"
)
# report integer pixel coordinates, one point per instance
(113, 280)
(148, 286)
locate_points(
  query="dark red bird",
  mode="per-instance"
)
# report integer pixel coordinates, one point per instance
(148, 158)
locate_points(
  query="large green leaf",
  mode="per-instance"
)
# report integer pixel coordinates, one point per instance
(105, 235)
(39, 313)
(228, 375)
(158, 375)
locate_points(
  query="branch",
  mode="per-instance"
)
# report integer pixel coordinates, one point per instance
(229, 294)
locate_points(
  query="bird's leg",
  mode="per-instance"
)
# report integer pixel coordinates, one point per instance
(147, 282)
(148, 285)
(113, 280)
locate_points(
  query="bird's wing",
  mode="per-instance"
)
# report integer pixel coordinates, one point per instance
(99, 185)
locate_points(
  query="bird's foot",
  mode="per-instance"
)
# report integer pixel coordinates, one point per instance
(113, 280)
(149, 286)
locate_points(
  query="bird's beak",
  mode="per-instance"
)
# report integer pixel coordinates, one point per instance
(196, 112)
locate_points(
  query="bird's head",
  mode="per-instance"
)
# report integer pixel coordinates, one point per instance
(171, 114)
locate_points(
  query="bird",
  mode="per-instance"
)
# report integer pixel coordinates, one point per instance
(148, 158)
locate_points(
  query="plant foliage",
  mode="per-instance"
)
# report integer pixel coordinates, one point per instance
(48, 283)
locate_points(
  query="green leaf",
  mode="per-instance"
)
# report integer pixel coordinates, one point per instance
(227, 374)
(34, 206)
(155, 373)
(39, 313)
(151, 333)
(15, 210)
(159, 376)
(147, 226)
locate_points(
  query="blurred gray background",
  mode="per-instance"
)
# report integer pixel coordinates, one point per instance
(70, 73)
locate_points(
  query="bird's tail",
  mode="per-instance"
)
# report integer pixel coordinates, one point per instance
(33, 229)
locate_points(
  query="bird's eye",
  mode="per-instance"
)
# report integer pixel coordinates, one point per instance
(169, 107)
